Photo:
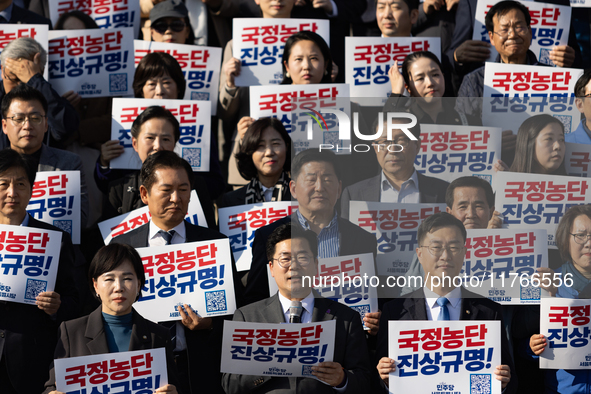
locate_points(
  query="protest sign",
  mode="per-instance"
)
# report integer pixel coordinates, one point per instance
(259, 42)
(10, 32)
(29, 259)
(445, 356)
(240, 222)
(123, 224)
(519, 92)
(539, 201)
(267, 349)
(504, 261)
(550, 26)
(56, 200)
(368, 60)
(450, 152)
(564, 322)
(200, 65)
(198, 274)
(395, 227)
(92, 63)
(298, 107)
(195, 121)
(125, 372)
(577, 159)
(107, 14)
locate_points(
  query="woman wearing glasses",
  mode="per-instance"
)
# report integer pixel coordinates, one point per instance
(573, 238)
(170, 23)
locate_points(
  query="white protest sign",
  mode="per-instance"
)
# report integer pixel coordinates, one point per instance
(56, 200)
(284, 350)
(550, 26)
(539, 201)
(368, 60)
(564, 322)
(577, 159)
(301, 107)
(107, 14)
(112, 371)
(450, 152)
(10, 32)
(126, 222)
(504, 261)
(29, 259)
(200, 65)
(196, 273)
(519, 92)
(444, 356)
(240, 222)
(93, 63)
(259, 42)
(395, 227)
(195, 121)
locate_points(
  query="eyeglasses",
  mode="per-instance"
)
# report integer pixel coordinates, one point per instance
(20, 119)
(581, 238)
(519, 29)
(285, 260)
(436, 250)
(402, 141)
(176, 26)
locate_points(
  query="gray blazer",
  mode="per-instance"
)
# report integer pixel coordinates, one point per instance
(53, 159)
(350, 350)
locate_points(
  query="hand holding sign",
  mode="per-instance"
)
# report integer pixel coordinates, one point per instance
(49, 302)
(372, 321)
(503, 373)
(385, 367)
(472, 51)
(396, 79)
(231, 69)
(329, 372)
(562, 56)
(193, 321)
(537, 343)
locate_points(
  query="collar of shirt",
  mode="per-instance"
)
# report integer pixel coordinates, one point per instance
(454, 297)
(25, 222)
(7, 12)
(156, 239)
(267, 193)
(411, 186)
(307, 304)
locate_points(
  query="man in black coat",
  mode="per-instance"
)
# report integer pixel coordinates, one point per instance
(28, 333)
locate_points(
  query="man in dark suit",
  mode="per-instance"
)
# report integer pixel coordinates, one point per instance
(316, 184)
(398, 180)
(441, 252)
(292, 257)
(27, 332)
(166, 189)
(12, 13)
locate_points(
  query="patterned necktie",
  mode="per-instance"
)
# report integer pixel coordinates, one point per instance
(167, 235)
(443, 311)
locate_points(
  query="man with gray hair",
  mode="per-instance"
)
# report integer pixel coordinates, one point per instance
(23, 61)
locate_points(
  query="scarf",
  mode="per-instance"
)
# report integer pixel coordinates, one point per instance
(254, 190)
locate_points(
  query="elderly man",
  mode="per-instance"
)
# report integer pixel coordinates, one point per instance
(441, 252)
(292, 256)
(165, 188)
(28, 333)
(23, 61)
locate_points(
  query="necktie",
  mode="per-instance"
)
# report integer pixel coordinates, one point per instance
(167, 235)
(295, 312)
(443, 311)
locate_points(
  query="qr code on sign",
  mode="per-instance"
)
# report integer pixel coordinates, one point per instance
(362, 309)
(307, 370)
(545, 56)
(118, 83)
(215, 301)
(34, 287)
(480, 384)
(330, 137)
(193, 156)
(65, 225)
(203, 96)
(566, 121)
(530, 292)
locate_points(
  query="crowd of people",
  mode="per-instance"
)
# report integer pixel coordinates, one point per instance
(254, 161)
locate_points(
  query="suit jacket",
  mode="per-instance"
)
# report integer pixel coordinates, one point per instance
(353, 240)
(28, 334)
(432, 190)
(204, 371)
(350, 350)
(21, 15)
(474, 307)
(53, 159)
(86, 336)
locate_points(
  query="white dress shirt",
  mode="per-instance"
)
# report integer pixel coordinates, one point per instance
(408, 193)
(454, 306)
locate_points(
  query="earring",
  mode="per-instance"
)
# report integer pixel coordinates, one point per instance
(287, 74)
(137, 294)
(98, 296)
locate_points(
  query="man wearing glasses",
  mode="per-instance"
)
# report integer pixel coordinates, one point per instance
(292, 256)
(441, 252)
(398, 181)
(24, 121)
(582, 135)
